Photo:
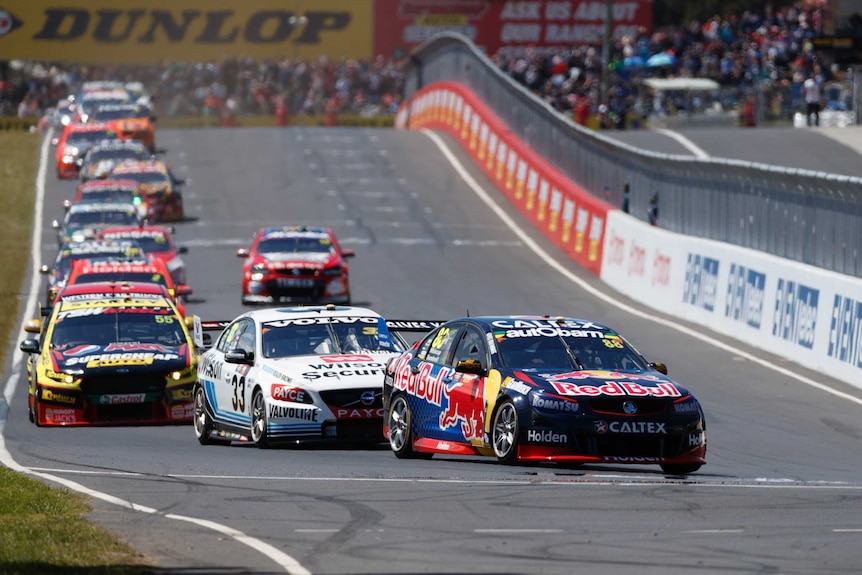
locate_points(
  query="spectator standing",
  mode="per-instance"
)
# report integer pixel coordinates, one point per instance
(811, 94)
(652, 210)
(627, 196)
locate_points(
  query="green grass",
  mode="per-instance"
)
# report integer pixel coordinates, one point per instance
(42, 530)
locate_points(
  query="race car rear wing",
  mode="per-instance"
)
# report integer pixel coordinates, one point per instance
(202, 331)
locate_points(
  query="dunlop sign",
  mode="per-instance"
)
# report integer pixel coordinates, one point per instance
(107, 31)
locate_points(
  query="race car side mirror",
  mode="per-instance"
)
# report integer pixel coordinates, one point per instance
(242, 253)
(67, 204)
(184, 290)
(55, 224)
(44, 269)
(470, 366)
(659, 367)
(239, 356)
(348, 254)
(55, 141)
(182, 249)
(33, 326)
(30, 346)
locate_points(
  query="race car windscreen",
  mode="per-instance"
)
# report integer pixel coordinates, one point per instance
(108, 196)
(80, 220)
(84, 139)
(117, 154)
(594, 352)
(145, 277)
(150, 243)
(145, 177)
(295, 245)
(112, 325)
(106, 115)
(280, 340)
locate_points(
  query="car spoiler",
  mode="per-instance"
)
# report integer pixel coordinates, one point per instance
(200, 335)
(420, 326)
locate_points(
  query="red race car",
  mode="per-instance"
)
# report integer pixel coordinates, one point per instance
(295, 264)
(74, 143)
(160, 188)
(157, 243)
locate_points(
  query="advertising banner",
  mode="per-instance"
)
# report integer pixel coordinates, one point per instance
(401, 25)
(569, 216)
(107, 31)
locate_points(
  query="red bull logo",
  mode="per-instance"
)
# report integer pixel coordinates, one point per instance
(614, 388)
(466, 405)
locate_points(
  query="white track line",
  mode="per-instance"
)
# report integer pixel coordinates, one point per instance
(283, 560)
(545, 257)
(685, 142)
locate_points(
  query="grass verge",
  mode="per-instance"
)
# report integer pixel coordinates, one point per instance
(42, 530)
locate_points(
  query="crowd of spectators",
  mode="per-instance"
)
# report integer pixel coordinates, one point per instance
(769, 54)
(248, 86)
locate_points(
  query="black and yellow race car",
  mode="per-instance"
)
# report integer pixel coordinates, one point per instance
(111, 353)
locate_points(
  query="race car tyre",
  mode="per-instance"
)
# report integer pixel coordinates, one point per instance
(680, 468)
(504, 434)
(34, 412)
(203, 425)
(400, 435)
(258, 420)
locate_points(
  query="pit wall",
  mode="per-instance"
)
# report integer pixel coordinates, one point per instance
(806, 314)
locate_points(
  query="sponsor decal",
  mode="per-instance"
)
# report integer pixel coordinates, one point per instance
(616, 246)
(616, 389)
(285, 393)
(82, 350)
(696, 439)
(686, 407)
(360, 413)
(551, 404)
(551, 332)
(122, 399)
(301, 413)
(61, 415)
(630, 407)
(180, 394)
(568, 219)
(179, 412)
(701, 282)
(599, 374)
(660, 270)
(465, 405)
(845, 331)
(581, 223)
(139, 347)
(511, 162)
(320, 321)
(745, 294)
(353, 358)
(597, 225)
(49, 394)
(544, 192)
(112, 359)
(795, 313)
(546, 436)
(271, 371)
(212, 369)
(532, 185)
(650, 427)
(556, 207)
(622, 459)
(637, 260)
(344, 369)
(541, 323)
(517, 386)
(426, 384)
(104, 31)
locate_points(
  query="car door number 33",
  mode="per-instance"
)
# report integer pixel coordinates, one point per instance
(238, 400)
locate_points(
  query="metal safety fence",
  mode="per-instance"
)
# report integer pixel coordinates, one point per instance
(807, 216)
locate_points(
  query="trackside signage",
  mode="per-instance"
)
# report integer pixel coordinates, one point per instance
(565, 213)
(107, 31)
(809, 315)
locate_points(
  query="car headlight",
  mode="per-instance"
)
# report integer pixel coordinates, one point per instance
(336, 271)
(69, 376)
(67, 159)
(259, 269)
(72, 151)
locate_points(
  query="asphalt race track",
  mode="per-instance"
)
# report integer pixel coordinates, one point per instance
(782, 492)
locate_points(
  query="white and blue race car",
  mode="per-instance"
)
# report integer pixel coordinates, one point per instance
(284, 375)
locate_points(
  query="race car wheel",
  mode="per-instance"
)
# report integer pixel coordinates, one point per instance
(680, 469)
(203, 424)
(400, 434)
(258, 420)
(504, 434)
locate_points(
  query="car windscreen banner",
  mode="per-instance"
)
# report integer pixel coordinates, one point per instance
(401, 25)
(107, 31)
(566, 213)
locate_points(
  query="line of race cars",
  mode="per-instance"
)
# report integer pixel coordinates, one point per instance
(121, 349)
(112, 344)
